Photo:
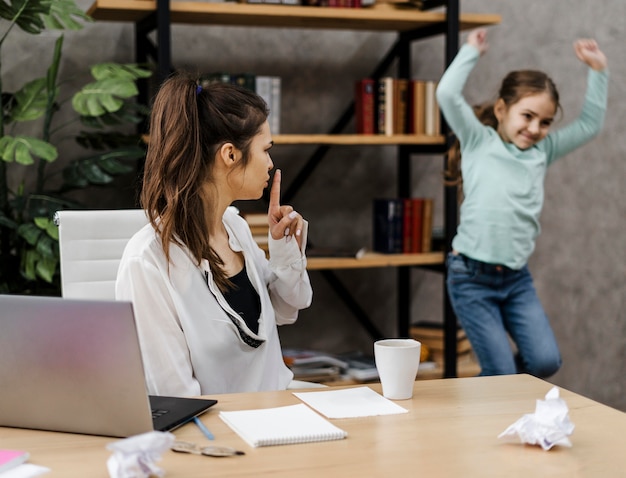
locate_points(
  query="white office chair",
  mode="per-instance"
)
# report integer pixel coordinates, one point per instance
(91, 244)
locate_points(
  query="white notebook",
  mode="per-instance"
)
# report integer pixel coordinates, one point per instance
(281, 426)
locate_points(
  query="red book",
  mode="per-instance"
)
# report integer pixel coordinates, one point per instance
(416, 225)
(364, 102)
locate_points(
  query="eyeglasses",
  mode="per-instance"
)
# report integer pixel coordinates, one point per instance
(212, 450)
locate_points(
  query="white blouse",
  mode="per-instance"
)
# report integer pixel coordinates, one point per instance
(189, 342)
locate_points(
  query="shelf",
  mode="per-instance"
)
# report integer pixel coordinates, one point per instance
(352, 139)
(380, 17)
(372, 259)
(358, 139)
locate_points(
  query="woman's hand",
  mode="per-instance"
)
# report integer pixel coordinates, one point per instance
(588, 51)
(478, 39)
(283, 220)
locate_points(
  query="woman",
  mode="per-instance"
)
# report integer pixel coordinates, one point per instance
(207, 301)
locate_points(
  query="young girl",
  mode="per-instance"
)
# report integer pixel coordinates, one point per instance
(503, 169)
(207, 301)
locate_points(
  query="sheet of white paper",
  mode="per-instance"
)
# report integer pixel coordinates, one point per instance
(350, 403)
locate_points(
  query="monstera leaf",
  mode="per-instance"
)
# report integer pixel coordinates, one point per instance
(104, 96)
(62, 14)
(30, 16)
(21, 149)
(31, 101)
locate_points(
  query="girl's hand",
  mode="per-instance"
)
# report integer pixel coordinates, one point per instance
(283, 220)
(478, 39)
(588, 51)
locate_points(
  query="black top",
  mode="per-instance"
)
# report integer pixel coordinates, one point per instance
(244, 300)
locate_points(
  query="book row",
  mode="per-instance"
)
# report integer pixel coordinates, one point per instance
(419, 4)
(396, 106)
(318, 3)
(267, 87)
(402, 225)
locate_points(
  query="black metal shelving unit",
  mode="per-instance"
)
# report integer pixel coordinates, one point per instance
(157, 22)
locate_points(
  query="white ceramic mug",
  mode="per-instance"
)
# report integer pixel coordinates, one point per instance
(397, 362)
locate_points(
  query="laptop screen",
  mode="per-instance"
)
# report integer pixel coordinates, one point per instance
(75, 366)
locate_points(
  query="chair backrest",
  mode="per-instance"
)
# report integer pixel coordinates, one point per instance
(91, 244)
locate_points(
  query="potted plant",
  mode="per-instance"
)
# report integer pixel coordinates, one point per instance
(29, 258)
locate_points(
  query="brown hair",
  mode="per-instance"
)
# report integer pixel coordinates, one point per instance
(515, 86)
(188, 125)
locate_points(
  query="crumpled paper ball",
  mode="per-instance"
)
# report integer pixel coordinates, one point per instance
(548, 426)
(135, 457)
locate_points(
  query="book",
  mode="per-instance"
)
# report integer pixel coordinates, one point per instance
(407, 225)
(274, 117)
(400, 105)
(364, 100)
(417, 94)
(316, 374)
(11, 458)
(285, 425)
(427, 224)
(360, 367)
(384, 106)
(416, 225)
(245, 80)
(269, 88)
(432, 121)
(302, 357)
(431, 334)
(387, 225)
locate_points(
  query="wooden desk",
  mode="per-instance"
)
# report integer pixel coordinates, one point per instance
(450, 431)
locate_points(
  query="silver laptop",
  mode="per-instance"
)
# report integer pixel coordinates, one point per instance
(75, 366)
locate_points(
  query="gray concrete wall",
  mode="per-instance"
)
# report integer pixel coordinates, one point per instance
(580, 258)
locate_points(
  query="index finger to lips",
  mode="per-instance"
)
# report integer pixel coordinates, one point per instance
(275, 191)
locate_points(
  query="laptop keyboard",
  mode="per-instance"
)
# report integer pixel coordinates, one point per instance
(156, 413)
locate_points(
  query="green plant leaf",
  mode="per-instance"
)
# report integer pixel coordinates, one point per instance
(46, 247)
(115, 167)
(21, 149)
(129, 71)
(46, 268)
(129, 113)
(103, 96)
(62, 13)
(52, 230)
(101, 168)
(29, 262)
(28, 15)
(29, 232)
(93, 173)
(31, 101)
(36, 265)
(73, 178)
(53, 70)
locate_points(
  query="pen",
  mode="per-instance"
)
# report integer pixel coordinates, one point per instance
(205, 430)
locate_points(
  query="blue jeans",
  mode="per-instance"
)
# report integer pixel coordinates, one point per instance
(494, 305)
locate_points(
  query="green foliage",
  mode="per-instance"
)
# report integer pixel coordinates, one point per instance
(29, 257)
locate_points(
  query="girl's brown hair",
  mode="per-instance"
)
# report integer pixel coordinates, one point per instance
(515, 86)
(188, 125)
